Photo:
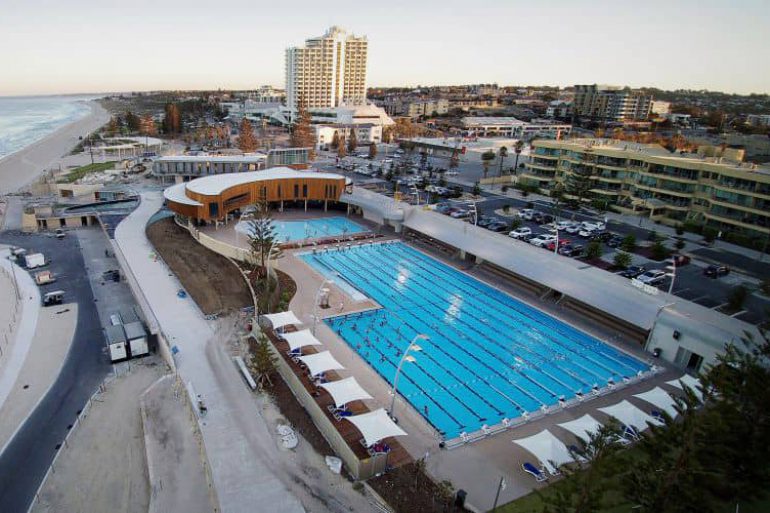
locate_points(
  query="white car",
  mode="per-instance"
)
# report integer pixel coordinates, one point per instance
(542, 240)
(520, 232)
(451, 173)
(526, 213)
(653, 277)
(563, 225)
(572, 229)
(586, 232)
(459, 214)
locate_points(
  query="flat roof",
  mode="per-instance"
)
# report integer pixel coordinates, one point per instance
(251, 158)
(215, 184)
(178, 194)
(595, 287)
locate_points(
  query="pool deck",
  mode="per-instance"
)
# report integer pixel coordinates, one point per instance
(475, 467)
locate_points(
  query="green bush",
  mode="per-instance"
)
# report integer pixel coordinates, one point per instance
(679, 244)
(506, 208)
(709, 234)
(622, 259)
(659, 251)
(629, 243)
(594, 249)
(737, 297)
(679, 229)
(515, 223)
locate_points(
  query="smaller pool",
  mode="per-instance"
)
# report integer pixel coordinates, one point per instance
(289, 231)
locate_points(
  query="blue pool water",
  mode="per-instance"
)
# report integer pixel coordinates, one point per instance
(289, 231)
(489, 356)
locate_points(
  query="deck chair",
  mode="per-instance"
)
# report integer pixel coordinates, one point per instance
(538, 474)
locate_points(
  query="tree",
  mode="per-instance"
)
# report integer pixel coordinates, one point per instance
(263, 240)
(263, 361)
(341, 152)
(476, 191)
(172, 122)
(584, 490)
(679, 244)
(335, 140)
(113, 127)
(372, 150)
(147, 125)
(579, 181)
(502, 153)
(629, 243)
(302, 131)
(594, 250)
(132, 121)
(486, 159)
(737, 297)
(517, 150)
(247, 141)
(621, 259)
(658, 251)
(352, 141)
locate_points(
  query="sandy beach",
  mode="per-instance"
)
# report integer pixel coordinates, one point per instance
(22, 167)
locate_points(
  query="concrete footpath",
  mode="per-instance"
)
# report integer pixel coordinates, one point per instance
(233, 433)
(173, 452)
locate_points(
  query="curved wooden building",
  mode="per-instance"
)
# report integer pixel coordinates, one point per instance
(211, 198)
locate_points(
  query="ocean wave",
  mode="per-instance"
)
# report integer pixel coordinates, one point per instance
(24, 121)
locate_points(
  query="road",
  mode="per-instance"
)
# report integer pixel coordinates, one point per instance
(28, 455)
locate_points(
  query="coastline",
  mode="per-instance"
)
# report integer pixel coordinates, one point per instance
(21, 168)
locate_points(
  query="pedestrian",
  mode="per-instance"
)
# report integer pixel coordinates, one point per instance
(425, 410)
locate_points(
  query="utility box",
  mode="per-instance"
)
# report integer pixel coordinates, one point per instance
(34, 260)
(137, 339)
(116, 341)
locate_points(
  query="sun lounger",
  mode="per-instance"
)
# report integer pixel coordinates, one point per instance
(538, 474)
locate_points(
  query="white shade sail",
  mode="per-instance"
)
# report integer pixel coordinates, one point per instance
(660, 398)
(375, 426)
(582, 427)
(345, 390)
(300, 338)
(280, 319)
(628, 415)
(551, 452)
(320, 362)
(687, 381)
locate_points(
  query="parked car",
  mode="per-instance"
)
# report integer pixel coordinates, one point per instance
(563, 225)
(552, 245)
(652, 277)
(586, 233)
(571, 250)
(526, 214)
(497, 226)
(715, 271)
(572, 229)
(601, 236)
(520, 232)
(547, 219)
(615, 241)
(632, 271)
(527, 238)
(485, 221)
(538, 216)
(460, 213)
(680, 260)
(541, 240)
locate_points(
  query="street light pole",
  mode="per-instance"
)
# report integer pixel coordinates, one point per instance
(412, 347)
(672, 268)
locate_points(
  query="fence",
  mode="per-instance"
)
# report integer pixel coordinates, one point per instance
(15, 311)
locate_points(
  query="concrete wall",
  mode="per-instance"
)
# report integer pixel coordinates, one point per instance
(702, 339)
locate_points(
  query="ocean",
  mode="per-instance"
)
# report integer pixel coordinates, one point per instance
(26, 120)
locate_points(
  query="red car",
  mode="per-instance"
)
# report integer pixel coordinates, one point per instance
(552, 245)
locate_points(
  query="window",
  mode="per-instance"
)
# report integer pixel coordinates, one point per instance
(296, 190)
(213, 209)
(304, 190)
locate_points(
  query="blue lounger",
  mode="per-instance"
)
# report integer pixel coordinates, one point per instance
(538, 474)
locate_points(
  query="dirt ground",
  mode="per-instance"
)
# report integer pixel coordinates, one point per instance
(204, 274)
(103, 467)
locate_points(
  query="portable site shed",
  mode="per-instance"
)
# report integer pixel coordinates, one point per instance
(137, 339)
(116, 340)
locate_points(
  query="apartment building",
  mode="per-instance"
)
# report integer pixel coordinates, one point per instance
(328, 71)
(713, 187)
(512, 128)
(605, 103)
(415, 108)
(365, 134)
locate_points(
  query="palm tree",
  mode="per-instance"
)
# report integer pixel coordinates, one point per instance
(486, 158)
(503, 152)
(517, 149)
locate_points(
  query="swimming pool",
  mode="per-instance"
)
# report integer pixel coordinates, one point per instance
(489, 357)
(289, 231)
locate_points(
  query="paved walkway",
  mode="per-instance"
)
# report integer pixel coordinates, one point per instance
(19, 319)
(238, 452)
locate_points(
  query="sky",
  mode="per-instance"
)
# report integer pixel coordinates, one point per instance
(85, 46)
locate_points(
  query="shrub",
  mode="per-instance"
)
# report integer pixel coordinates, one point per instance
(652, 236)
(504, 188)
(506, 208)
(737, 297)
(516, 223)
(622, 259)
(765, 287)
(679, 244)
(679, 229)
(629, 243)
(659, 251)
(594, 249)
(709, 234)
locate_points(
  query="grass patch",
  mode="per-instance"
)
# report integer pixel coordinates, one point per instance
(80, 172)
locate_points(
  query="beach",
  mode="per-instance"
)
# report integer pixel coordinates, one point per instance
(21, 168)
